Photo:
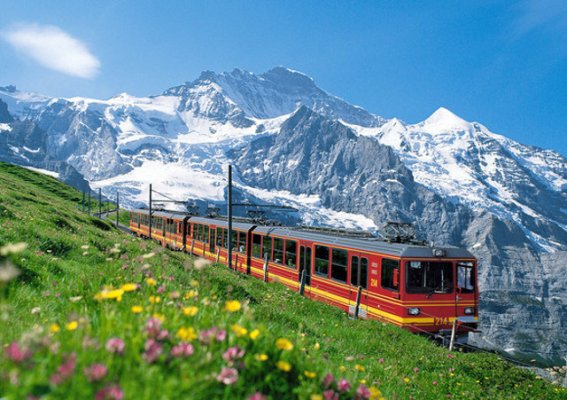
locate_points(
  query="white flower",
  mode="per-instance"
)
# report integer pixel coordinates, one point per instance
(12, 248)
(8, 272)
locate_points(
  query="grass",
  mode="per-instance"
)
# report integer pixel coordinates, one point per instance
(82, 283)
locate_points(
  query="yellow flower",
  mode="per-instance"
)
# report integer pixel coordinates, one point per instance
(159, 317)
(254, 334)
(107, 294)
(194, 283)
(284, 344)
(407, 380)
(310, 374)
(315, 397)
(359, 367)
(190, 311)
(187, 334)
(232, 306)
(342, 368)
(239, 330)
(362, 381)
(129, 287)
(190, 294)
(151, 282)
(137, 309)
(155, 299)
(71, 326)
(54, 328)
(261, 357)
(284, 366)
(317, 346)
(375, 393)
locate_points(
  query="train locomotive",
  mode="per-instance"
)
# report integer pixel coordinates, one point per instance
(419, 288)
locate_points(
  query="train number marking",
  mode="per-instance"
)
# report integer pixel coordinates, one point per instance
(440, 321)
(374, 282)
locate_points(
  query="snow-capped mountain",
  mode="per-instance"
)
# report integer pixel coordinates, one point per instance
(292, 143)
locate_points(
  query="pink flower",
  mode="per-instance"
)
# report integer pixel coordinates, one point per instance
(381, 361)
(110, 393)
(182, 350)
(257, 396)
(449, 355)
(330, 395)
(207, 335)
(233, 353)
(115, 345)
(416, 370)
(434, 383)
(153, 350)
(362, 392)
(344, 385)
(221, 335)
(228, 376)
(96, 372)
(154, 331)
(161, 289)
(65, 370)
(16, 353)
(328, 380)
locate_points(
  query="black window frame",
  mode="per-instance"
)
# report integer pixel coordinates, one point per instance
(387, 271)
(339, 267)
(320, 262)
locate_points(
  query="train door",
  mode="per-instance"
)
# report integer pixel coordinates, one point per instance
(305, 264)
(358, 279)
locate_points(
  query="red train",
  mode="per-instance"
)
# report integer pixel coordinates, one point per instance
(418, 288)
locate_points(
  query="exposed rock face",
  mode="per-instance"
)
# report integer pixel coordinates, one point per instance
(293, 143)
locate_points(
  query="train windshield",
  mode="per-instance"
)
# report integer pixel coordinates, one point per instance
(465, 276)
(429, 277)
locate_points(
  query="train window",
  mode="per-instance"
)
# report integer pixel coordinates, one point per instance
(242, 242)
(225, 238)
(234, 239)
(197, 231)
(206, 233)
(465, 276)
(429, 277)
(339, 265)
(390, 274)
(291, 253)
(322, 260)
(257, 246)
(267, 248)
(219, 237)
(363, 279)
(278, 250)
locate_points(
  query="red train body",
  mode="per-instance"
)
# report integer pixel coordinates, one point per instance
(418, 288)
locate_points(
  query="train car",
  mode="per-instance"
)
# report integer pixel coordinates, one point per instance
(418, 288)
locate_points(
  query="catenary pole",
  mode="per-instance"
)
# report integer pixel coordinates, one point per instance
(117, 207)
(150, 216)
(229, 244)
(99, 202)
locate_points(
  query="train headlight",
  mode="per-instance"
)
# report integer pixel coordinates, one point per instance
(413, 311)
(469, 310)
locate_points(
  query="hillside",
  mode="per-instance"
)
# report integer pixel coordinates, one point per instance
(97, 312)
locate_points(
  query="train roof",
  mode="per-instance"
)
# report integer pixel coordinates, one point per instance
(366, 244)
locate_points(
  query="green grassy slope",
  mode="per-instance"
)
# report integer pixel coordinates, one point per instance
(58, 315)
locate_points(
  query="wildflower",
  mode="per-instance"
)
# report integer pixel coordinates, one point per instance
(154, 299)
(16, 353)
(137, 309)
(174, 295)
(200, 263)
(54, 328)
(190, 294)
(261, 357)
(75, 299)
(71, 326)
(434, 383)
(284, 366)
(407, 380)
(228, 376)
(359, 368)
(416, 370)
(342, 368)
(96, 372)
(85, 247)
(186, 334)
(316, 346)
(110, 294)
(233, 353)
(194, 283)
(449, 355)
(152, 350)
(232, 306)
(65, 370)
(13, 248)
(343, 385)
(362, 392)
(284, 344)
(239, 330)
(36, 310)
(149, 255)
(315, 397)
(110, 393)
(328, 380)
(381, 361)
(257, 396)
(129, 287)
(190, 311)
(115, 345)
(375, 393)
(310, 374)
(161, 289)
(151, 282)
(221, 335)
(8, 272)
(330, 395)
(182, 350)
(154, 330)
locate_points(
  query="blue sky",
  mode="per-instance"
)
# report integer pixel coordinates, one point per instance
(502, 63)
